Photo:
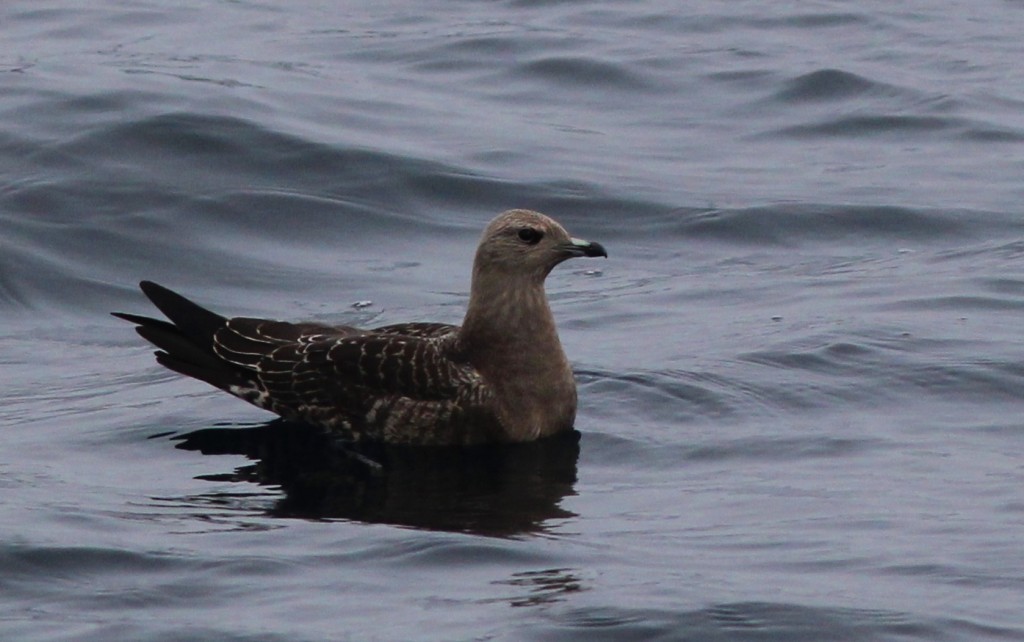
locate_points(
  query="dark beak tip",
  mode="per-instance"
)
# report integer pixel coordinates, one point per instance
(579, 247)
(596, 249)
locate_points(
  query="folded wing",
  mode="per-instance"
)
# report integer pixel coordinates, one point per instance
(362, 383)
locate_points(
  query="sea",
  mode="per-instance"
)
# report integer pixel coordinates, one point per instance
(800, 369)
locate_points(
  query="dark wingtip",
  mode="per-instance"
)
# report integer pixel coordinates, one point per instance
(149, 288)
(131, 318)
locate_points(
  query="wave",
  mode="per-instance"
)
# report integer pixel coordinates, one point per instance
(758, 621)
(794, 223)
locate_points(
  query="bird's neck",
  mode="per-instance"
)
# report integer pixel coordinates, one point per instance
(509, 336)
(509, 313)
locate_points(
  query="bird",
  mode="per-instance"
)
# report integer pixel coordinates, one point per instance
(500, 377)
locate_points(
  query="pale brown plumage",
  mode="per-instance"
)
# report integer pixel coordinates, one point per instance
(502, 376)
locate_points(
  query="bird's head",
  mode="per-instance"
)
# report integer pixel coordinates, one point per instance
(527, 243)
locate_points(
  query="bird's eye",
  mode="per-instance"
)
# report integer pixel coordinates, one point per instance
(530, 235)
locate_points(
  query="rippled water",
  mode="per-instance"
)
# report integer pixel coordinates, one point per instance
(801, 370)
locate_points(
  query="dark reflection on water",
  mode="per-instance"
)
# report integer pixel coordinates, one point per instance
(543, 587)
(501, 491)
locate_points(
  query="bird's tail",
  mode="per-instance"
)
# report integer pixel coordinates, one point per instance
(186, 342)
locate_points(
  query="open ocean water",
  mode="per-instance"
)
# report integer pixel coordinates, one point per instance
(801, 369)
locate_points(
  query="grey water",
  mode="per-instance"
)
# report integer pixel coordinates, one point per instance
(801, 370)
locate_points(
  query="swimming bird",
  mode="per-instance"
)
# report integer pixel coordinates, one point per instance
(500, 377)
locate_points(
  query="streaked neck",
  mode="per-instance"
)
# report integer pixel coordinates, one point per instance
(509, 311)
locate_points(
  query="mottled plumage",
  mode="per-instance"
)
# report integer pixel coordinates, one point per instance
(502, 376)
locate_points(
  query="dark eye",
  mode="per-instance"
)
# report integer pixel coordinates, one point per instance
(530, 235)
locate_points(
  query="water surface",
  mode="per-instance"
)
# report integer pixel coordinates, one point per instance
(800, 371)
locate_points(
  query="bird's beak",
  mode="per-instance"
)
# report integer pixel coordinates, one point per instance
(579, 247)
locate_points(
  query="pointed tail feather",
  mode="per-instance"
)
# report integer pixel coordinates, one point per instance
(193, 320)
(186, 343)
(220, 376)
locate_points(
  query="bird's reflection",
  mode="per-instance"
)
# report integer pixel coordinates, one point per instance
(503, 491)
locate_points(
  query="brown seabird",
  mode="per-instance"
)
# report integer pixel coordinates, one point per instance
(500, 377)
